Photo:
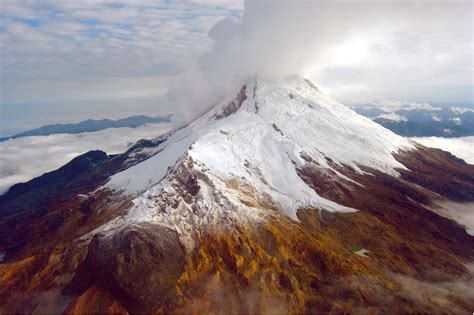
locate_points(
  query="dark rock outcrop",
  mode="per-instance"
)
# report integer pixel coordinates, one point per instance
(439, 171)
(49, 187)
(234, 105)
(139, 264)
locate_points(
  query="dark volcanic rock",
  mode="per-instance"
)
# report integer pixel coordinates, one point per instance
(234, 105)
(438, 171)
(139, 264)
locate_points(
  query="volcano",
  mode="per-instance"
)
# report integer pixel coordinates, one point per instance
(279, 199)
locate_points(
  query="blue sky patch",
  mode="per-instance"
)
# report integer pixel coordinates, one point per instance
(30, 22)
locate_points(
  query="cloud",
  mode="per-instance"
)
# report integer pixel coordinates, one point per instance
(439, 293)
(25, 158)
(462, 213)
(50, 43)
(392, 116)
(462, 147)
(355, 50)
(436, 288)
(393, 106)
(461, 110)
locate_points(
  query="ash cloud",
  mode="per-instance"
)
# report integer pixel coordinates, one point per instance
(352, 48)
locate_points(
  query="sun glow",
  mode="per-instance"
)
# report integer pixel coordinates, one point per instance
(351, 52)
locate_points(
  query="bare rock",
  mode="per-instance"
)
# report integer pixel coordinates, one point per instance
(138, 264)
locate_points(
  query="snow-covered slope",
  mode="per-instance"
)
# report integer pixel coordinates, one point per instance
(249, 147)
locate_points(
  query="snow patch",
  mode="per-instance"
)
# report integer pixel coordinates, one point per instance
(262, 157)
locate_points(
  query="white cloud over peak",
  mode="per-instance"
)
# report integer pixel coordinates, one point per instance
(358, 51)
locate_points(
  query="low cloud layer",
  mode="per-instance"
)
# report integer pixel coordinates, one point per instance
(25, 158)
(356, 51)
(461, 147)
(462, 213)
(393, 106)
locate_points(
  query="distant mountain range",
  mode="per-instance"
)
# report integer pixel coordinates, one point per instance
(91, 125)
(419, 119)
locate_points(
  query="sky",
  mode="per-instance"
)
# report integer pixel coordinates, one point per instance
(63, 61)
(68, 60)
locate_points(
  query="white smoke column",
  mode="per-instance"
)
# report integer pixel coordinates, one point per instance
(274, 39)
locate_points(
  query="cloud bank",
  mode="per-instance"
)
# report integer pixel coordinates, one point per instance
(93, 49)
(393, 106)
(353, 49)
(462, 147)
(25, 158)
(463, 213)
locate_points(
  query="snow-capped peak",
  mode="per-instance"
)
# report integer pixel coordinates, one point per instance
(258, 139)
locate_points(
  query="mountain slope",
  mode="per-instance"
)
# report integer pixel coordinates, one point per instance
(268, 127)
(278, 199)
